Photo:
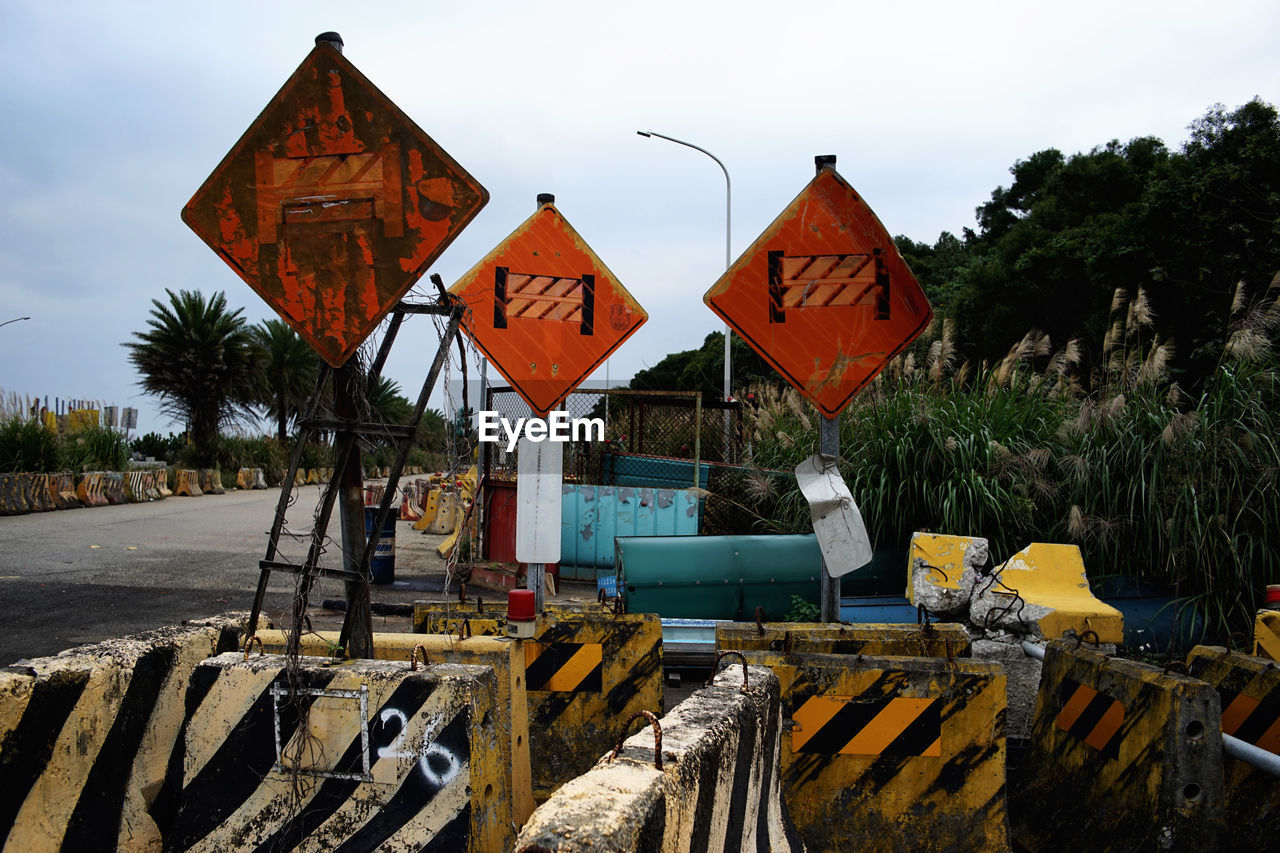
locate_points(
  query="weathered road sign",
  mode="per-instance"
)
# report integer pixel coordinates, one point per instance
(545, 309)
(823, 294)
(332, 204)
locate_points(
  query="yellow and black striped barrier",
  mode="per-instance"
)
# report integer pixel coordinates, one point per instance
(946, 639)
(13, 499)
(35, 488)
(586, 668)
(1123, 756)
(1249, 694)
(88, 736)
(113, 487)
(367, 755)
(897, 752)
(505, 656)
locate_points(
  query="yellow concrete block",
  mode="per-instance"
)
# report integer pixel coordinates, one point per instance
(430, 509)
(505, 656)
(446, 514)
(1043, 590)
(1266, 634)
(942, 570)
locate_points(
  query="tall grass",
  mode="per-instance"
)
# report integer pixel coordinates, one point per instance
(1150, 483)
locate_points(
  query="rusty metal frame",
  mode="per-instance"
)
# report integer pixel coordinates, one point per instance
(345, 443)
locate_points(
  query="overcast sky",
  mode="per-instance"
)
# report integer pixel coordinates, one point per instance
(114, 113)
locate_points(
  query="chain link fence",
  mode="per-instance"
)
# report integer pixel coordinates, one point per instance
(654, 439)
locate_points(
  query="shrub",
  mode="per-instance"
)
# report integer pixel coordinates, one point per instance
(28, 446)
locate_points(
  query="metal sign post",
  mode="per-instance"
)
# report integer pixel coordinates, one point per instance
(539, 476)
(824, 296)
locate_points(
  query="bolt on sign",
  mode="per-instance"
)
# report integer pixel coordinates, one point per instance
(545, 309)
(332, 204)
(823, 294)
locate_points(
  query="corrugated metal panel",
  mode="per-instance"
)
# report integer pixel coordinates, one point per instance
(593, 515)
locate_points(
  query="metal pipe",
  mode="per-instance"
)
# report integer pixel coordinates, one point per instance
(1256, 757)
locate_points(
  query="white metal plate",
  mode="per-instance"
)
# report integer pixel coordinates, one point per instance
(539, 474)
(837, 523)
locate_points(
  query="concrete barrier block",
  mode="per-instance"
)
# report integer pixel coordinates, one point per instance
(1123, 756)
(583, 668)
(91, 489)
(88, 734)
(1249, 695)
(946, 639)
(113, 487)
(62, 490)
(162, 483)
(188, 483)
(511, 714)
(942, 570)
(1042, 590)
(13, 500)
(1266, 634)
(211, 482)
(430, 510)
(446, 517)
(244, 479)
(892, 753)
(717, 789)
(361, 756)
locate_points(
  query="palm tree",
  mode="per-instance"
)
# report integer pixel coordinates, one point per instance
(201, 361)
(289, 373)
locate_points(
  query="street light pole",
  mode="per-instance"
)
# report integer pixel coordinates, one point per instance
(14, 320)
(728, 259)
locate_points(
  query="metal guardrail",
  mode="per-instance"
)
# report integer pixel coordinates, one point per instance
(1240, 750)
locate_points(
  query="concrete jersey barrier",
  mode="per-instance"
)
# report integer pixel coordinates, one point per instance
(88, 735)
(717, 789)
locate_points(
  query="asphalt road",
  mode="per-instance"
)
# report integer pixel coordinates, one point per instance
(81, 576)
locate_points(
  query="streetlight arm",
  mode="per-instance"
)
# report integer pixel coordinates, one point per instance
(728, 250)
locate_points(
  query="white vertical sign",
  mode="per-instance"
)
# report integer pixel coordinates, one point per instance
(540, 473)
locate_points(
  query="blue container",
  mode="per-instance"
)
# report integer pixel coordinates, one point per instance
(383, 565)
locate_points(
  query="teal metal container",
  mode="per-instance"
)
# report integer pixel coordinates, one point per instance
(716, 577)
(592, 516)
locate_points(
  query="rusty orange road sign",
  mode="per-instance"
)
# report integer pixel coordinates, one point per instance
(332, 204)
(823, 294)
(545, 309)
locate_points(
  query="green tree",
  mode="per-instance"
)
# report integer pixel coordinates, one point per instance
(703, 369)
(289, 372)
(200, 360)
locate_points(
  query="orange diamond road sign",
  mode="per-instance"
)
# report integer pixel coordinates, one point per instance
(333, 204)
(823, 294)
(545, 309)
